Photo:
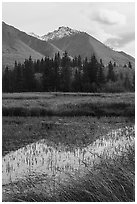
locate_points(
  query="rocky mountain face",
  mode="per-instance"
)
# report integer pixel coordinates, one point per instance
(17, 45)
(60, 33)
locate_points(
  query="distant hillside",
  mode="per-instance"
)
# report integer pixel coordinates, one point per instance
(85, 45)
(17, 45)
(127, 56)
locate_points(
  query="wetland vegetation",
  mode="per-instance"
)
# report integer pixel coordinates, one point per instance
(68, 147)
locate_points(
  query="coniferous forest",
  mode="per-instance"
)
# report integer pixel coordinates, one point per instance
(63, 74)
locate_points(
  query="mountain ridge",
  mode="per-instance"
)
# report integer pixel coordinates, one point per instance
(18, 45)
(63, 42)
(86, 45)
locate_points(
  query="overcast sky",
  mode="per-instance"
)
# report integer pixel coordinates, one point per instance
(111, 23)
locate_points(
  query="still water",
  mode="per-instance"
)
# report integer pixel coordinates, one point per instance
(39, 158)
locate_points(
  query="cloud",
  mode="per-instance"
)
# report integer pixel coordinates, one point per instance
(102, 35)
(122, 40)
(108, 17)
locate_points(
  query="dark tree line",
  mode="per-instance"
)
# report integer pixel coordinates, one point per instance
(60, 74)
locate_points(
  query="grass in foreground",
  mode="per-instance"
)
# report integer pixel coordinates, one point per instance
(110, 180)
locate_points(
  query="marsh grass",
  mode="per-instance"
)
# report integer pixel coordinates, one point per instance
(111, 179)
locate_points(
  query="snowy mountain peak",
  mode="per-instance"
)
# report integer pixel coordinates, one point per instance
(60, 33)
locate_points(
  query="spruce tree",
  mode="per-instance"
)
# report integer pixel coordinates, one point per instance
(29, 75)
(65, 72)
(56, 71)
(77, 86)
(6, 80)
(130, 65)
(111, 74)
(18, 78)
(100, 74)
(93, 69)
(85, 76)
(114, 64)
(134, 82)
(45, 78)
(79, 64)
(127, 83)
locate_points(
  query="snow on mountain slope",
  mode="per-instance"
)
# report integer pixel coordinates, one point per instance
(56, 34)
(35, 35)
(60, 33)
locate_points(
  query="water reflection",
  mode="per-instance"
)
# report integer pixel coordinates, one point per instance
(41, 158)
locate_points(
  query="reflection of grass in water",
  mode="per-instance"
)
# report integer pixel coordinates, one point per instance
(67, 131)
(110, 179)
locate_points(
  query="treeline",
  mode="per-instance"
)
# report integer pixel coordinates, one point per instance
(66, 75)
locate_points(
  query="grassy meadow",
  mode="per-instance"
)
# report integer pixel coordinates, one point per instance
(69, 104)
(68, 147)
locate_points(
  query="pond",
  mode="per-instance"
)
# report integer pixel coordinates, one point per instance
(40, 158)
